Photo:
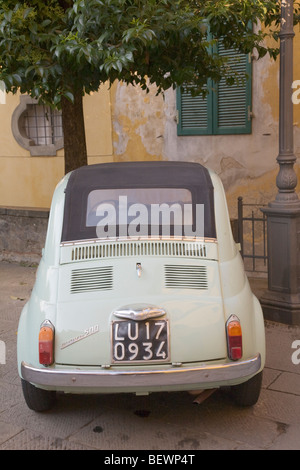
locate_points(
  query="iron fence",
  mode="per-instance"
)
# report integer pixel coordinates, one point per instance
(252, 236)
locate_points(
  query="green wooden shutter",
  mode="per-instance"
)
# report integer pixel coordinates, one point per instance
(232, 104)
(194, 113)
(225, 110)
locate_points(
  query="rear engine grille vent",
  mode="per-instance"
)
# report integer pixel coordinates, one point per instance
(185, 277)
(92, 279)
(141, 248)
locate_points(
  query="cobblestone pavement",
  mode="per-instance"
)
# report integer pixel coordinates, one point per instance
(157, 422)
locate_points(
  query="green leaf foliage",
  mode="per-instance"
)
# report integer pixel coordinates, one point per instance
(56, 48)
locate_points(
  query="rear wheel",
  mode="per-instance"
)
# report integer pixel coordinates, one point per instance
(37, 399)
(247, 393)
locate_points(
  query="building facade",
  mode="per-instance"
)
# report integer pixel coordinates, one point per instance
(123, 123)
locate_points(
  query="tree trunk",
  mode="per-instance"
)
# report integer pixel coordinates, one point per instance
(74, 133)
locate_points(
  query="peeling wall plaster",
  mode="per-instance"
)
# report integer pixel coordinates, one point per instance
(145, 127)
(138, 123)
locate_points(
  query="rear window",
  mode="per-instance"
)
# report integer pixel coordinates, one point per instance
(141, 212)
(139, 200)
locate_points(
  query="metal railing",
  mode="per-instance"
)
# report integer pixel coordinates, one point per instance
(252, 236)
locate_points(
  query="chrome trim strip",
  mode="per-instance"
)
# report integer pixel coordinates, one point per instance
(142, 378)
(134, 239)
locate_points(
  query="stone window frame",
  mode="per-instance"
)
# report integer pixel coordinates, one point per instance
(17, 126)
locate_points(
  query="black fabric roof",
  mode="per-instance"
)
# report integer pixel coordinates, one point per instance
(82, 181)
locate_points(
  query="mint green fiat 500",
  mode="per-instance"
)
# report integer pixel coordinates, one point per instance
(141, 288)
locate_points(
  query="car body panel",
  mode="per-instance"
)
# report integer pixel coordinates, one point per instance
(192, 313)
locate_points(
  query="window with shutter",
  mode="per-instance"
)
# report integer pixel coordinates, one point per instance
(226, 109)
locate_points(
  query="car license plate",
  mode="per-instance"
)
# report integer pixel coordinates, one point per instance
(140, 341)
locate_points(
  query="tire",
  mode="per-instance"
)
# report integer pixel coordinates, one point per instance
(247, 393)
(37, 399)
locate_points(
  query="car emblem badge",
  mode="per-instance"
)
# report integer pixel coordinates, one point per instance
(139, 313)
(87, 332)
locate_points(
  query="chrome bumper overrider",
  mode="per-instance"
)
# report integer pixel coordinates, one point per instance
(181, 377)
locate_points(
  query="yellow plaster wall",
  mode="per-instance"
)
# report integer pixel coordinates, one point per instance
(262, 189)
(27, 181)
(98, 129)
(271, 82)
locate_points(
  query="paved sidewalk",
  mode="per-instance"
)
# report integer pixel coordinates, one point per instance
(158, 422)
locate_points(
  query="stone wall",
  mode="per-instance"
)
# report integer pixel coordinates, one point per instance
(22, 234)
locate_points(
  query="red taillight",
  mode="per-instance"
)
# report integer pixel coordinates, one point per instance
(234, 338)
(46, 343)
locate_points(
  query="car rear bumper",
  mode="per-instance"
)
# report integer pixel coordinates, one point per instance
(124, 380)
